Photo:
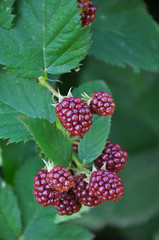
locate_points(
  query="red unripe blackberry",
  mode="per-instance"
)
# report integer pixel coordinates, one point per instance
(82, 192)
(44, 195)
(113, 156)
(75, 147)
(75, 115)
(106, 185)
(60, 179)
(88, 11)
(68, 204)
(102, 104)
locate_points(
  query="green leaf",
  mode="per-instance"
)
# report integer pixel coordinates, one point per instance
(10, 127)
(139, 202)
(125, 33)
(9, 213)
(6, 16)
(39, 221)
(94, 140)
(13, 155)
(50, 139)
(26, 97)
(47, 37)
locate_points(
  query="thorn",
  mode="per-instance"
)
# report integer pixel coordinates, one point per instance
(8, 143)
(104, 166)
(54, 104)
(48, 165)
(86, 98)
(69, 94)
(94, 168)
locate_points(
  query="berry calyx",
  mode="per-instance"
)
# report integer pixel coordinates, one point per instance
(75, 115)
(82, 192)
(106, 185)
(68, 204)
(44, 195)
(60, 179)
(88, 11)
(102, 104)
(114, 157)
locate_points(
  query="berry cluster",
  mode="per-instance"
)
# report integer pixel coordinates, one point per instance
(76, 114)
(67, 193)
(69, 190)
(88, 11)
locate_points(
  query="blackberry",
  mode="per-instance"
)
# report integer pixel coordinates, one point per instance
(75, 115)
(113, 156)
(60, 179)
(102, 104)
(82, 192)
(106, 185)
(68, 204)
(75, 147)
(44, 195)
(88, 11)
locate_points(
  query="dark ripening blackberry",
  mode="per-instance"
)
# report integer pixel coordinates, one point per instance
(75, 115)
(60, 179)
(88, 11)
(82, 192)
(102, 104)
(106, 185)
(68, 204)
(113, 156)
(44, 195)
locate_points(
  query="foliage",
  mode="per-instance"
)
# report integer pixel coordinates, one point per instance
(45, 37)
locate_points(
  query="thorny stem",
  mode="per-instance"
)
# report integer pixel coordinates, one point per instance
(44, 83)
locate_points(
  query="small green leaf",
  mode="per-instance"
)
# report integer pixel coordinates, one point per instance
(94, 140)
(6, 16)
(124, 32)
(10, 127)
(47, 37)
(26, 97)
(39, 221)
(50, 139)
(9, 213)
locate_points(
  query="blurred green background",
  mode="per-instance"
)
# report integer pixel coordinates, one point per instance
(135, 126)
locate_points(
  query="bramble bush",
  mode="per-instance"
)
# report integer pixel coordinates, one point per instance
(67, 120)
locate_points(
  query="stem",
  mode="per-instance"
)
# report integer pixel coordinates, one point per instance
(80, 166)
(44, 83)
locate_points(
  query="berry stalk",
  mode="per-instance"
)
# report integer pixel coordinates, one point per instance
(44, 83)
